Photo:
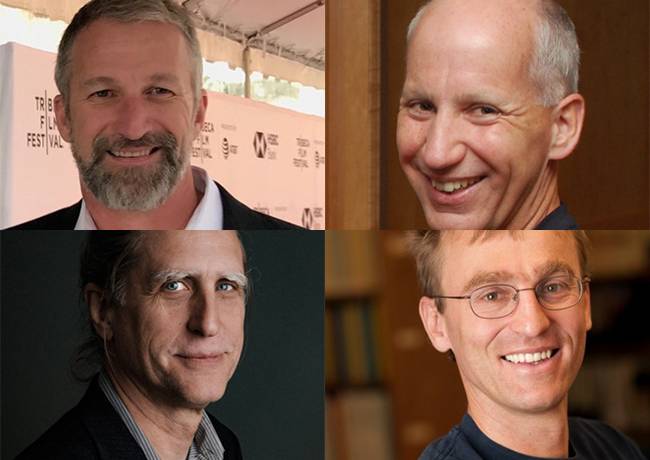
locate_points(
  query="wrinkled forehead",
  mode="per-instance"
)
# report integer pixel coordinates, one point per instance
(463, 253)
(208, 251)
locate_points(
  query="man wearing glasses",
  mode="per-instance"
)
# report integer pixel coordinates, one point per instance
(513, 310)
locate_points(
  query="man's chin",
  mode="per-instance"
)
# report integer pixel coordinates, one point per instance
(137, 188)
(133, 191)
(198, 397)
(131, 200)
(456, 221)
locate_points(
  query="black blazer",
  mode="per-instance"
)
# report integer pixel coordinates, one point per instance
(236, 216)
(92, 430)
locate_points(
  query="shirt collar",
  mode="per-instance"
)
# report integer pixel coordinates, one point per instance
(489, 449)
(205, 445)
(208, 215)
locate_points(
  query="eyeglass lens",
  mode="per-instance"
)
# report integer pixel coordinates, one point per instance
(498, 300)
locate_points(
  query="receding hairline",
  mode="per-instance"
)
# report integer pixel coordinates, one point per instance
(553, 59)
(155, 235)
(425, 10)
(482, 236)
(157, 76)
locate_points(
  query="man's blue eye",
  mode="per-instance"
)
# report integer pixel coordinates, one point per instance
(225, 286)
(173, 286)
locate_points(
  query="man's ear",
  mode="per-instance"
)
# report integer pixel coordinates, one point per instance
(586, 298)
(100, 314)
(201, 110)
(434, 324)
(62, 121)
(568, 118)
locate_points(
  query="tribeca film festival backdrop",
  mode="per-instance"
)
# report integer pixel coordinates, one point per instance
(270, 158)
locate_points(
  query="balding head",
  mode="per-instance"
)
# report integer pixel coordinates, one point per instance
(541, 30)
(487, 109)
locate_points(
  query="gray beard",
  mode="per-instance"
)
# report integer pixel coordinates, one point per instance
(140, 188)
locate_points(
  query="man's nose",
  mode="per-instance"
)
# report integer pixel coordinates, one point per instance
(530, 318)
(204, 317)
(444, 147)
(133, 119)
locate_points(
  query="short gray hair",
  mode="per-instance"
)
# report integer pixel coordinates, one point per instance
(555, 64)
(127, 11)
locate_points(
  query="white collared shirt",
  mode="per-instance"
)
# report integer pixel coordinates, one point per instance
(208, 215)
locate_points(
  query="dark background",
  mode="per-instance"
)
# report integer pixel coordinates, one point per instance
(274, 402)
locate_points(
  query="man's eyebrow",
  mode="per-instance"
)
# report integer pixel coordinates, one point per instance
(238, 278)
(164, 275)
(164, 78)
(98, 81)
(478, 97)
(412, 91)
(482, 278)
(155, 78)
(553, 267)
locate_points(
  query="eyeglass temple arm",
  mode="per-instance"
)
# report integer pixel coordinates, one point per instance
(450, 296)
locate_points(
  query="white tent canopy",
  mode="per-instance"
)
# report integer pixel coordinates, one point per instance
(226, 25)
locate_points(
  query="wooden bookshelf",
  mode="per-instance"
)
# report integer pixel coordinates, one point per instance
(371, 289)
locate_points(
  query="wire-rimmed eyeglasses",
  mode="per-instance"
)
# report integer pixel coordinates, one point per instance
(493, 301)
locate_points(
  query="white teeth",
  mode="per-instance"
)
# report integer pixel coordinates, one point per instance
(449, 187)
(140, 153)
(529, 357)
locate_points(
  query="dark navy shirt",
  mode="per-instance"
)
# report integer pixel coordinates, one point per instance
(559, 219)
(588, 440)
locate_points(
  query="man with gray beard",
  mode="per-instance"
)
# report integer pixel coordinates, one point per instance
(129, 73)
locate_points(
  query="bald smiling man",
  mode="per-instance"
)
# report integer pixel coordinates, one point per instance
(488, 109)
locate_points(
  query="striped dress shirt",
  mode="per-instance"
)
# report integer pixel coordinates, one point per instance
(206, 444)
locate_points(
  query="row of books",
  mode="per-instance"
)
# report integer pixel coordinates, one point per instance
(352, 345)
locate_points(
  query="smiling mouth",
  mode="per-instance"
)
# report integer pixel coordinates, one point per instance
(531, 358)
(454, 186)
(134, 154)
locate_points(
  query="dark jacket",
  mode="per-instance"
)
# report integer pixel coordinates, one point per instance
(236, 216)
(92, 430)
(559, 219)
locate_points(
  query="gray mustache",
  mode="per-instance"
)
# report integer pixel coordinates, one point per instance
(163, 140)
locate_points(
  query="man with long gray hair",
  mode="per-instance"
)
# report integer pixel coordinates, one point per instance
(489, 107)
(166, 313)
(131, 101)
